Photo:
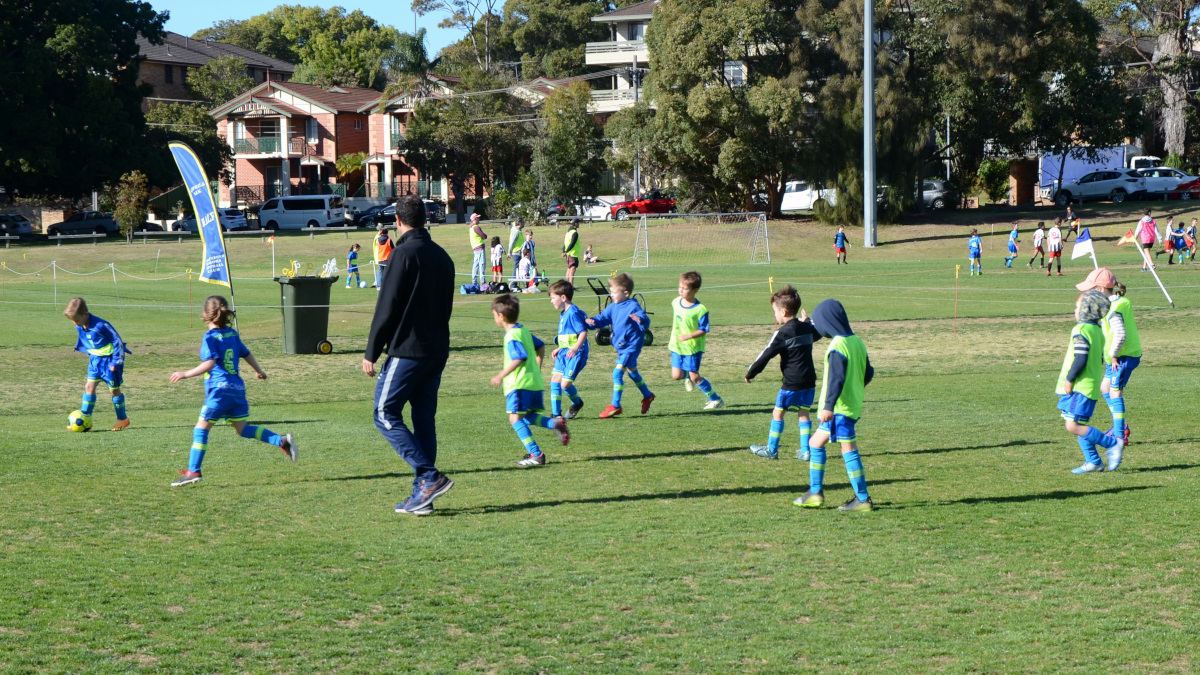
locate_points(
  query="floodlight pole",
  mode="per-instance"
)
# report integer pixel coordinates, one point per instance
(869, 219)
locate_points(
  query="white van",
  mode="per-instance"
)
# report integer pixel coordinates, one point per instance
(294, 213)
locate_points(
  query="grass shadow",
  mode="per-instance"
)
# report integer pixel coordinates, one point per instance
(656, 455)
(1167, 467)
(1056, 495)
(682, 494)
(728, 410)
(934, 451)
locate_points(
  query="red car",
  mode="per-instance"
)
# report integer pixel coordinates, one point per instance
(651, 202)
(1186, 190)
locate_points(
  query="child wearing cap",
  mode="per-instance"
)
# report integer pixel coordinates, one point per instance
(1080, 380)
(1122, 350)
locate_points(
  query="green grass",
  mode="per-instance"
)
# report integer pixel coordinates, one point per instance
(653, 543)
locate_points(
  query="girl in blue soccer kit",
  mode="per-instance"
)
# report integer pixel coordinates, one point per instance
(352, 266)
(221, 350)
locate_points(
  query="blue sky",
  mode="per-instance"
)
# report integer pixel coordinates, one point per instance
(189, 16)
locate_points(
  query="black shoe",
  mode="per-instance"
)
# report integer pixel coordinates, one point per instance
(856, 505)
(573, 411)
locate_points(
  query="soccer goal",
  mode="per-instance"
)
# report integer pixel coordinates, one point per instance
(709, 238)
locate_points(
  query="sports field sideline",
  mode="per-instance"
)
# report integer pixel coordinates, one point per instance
(654, 543)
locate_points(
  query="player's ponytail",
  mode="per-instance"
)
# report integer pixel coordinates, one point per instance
(1119, 289)
(216, 310)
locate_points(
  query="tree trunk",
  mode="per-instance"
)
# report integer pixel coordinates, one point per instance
(1172, 81)
(459, 189)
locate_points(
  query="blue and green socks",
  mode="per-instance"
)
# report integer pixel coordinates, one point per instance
(524, 433)
(556, 392)
(1117, 405)
(636, 378)
(199, 446)
(572, 393)
(773, 438)
(858, 477)
(805, 434)
(706, 388)
(816, 470)
(89, 404)
(262, 434)
(119, 406)
(618, 386)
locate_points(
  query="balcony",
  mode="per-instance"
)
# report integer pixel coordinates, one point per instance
(615, 53)
(397, 139)
(265, 145)
(610, 100)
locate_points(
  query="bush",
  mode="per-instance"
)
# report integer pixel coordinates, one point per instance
(993, 178)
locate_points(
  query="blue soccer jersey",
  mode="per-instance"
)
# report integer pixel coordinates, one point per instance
(571, 323)
(627, 335)
(975, 246)
(224, 346)
(101, 339)
(839, 240)
(352, 261)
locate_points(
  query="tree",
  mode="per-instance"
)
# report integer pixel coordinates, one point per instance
(479, 18)
(633, 142)
(73, 117)
(548, 36)
(130, 211)
(189, 123)
(568, 155)
(993, 175)
(349, 169)
(220, 80)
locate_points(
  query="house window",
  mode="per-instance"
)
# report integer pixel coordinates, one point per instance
(735, 73)
(310, 130)
(183, 74)
(250, 72)
(170, 74)
(637, 31)
(239, 130)
(358, 125)
(268, 128)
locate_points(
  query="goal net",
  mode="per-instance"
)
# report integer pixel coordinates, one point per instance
(711, 239)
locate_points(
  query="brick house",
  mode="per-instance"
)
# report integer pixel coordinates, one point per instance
(286, 136)
(165, 67)
(386, 173)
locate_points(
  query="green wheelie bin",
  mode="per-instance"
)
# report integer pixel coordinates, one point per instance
(305, 305)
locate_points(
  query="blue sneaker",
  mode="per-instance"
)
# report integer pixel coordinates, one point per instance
(424, 494)
(1116, 454)
(764, 452)
(1088, 467)
(405, 508)
(803, 455)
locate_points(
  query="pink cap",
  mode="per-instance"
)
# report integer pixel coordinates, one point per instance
(1099, 278)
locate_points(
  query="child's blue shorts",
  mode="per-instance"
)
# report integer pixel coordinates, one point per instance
(569, 369)
(521, 401)
(689, 363)
(1076, 407)
(1119, 377)
(98, 371)
(840, 429)
(1012, 248)
(352, 270)
(225, 404)
(973, 255)
(628, 359)
(795, 400)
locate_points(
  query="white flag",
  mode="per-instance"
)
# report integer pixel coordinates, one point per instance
(1083, 245)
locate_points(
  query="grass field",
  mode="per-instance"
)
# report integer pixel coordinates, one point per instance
(650, 544)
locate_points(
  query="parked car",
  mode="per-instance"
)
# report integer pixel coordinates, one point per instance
(938, 194)
(366, 218)
(184, 225)
(232, 219)
(651, 202)
(1163, 179)
(555, 209)
(295, 213)
(801, 195)
(1188, 189)
(85, 222)
(594, 208)
(15, 224)
(148, 227)
(434, 212)
(1113, 184)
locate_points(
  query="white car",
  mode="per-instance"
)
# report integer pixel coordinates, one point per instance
(1112, 184)
(595, 208)
(1163, 179)
(799, 195)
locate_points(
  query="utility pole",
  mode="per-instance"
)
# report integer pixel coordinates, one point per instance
(637, 166)
(869, 217)
(947, 146)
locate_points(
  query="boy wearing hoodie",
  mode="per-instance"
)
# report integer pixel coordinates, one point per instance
(847, 373)
(1079, 383)
(629, 323)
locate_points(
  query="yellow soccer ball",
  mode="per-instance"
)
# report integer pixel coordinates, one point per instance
(78, 422)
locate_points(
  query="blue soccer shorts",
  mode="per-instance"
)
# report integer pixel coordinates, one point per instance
(1076, 407)
(800, 401)
(100, 370)
(1012, 248)
(569, 368)
(629, 359)
(521, 401)
(689, 363)
(1118, 377)
(225, 404)
(840, 429)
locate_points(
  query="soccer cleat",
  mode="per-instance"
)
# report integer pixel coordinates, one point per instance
(610, 410)
(1029, 265)
(764, 451)
(424, 494)
(560, 428)
(802, 454)
(289, 447)
(810, 499)
(573, 411)
(1047, 271)
(1116, 454)
(713, 405)
(1088, 467)
(121, 424)
(687, 384)
(1060, 274)
(532, 460)
(646, 403)
(187, 477)
(857, 505)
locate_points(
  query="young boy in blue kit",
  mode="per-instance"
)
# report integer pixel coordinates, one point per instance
(689, 335)
(1013, 249)
(106, 359)
(522, 381)
(975, 252)
(793, 343)
(629, 323)
(570, 352)
(847, 373)
(1079, 383)
(840, 244)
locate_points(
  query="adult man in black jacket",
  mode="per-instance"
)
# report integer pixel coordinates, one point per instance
(412, 321)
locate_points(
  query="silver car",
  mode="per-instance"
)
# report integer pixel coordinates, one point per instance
(1114, 185)
(1163, 179)
(15, 224)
